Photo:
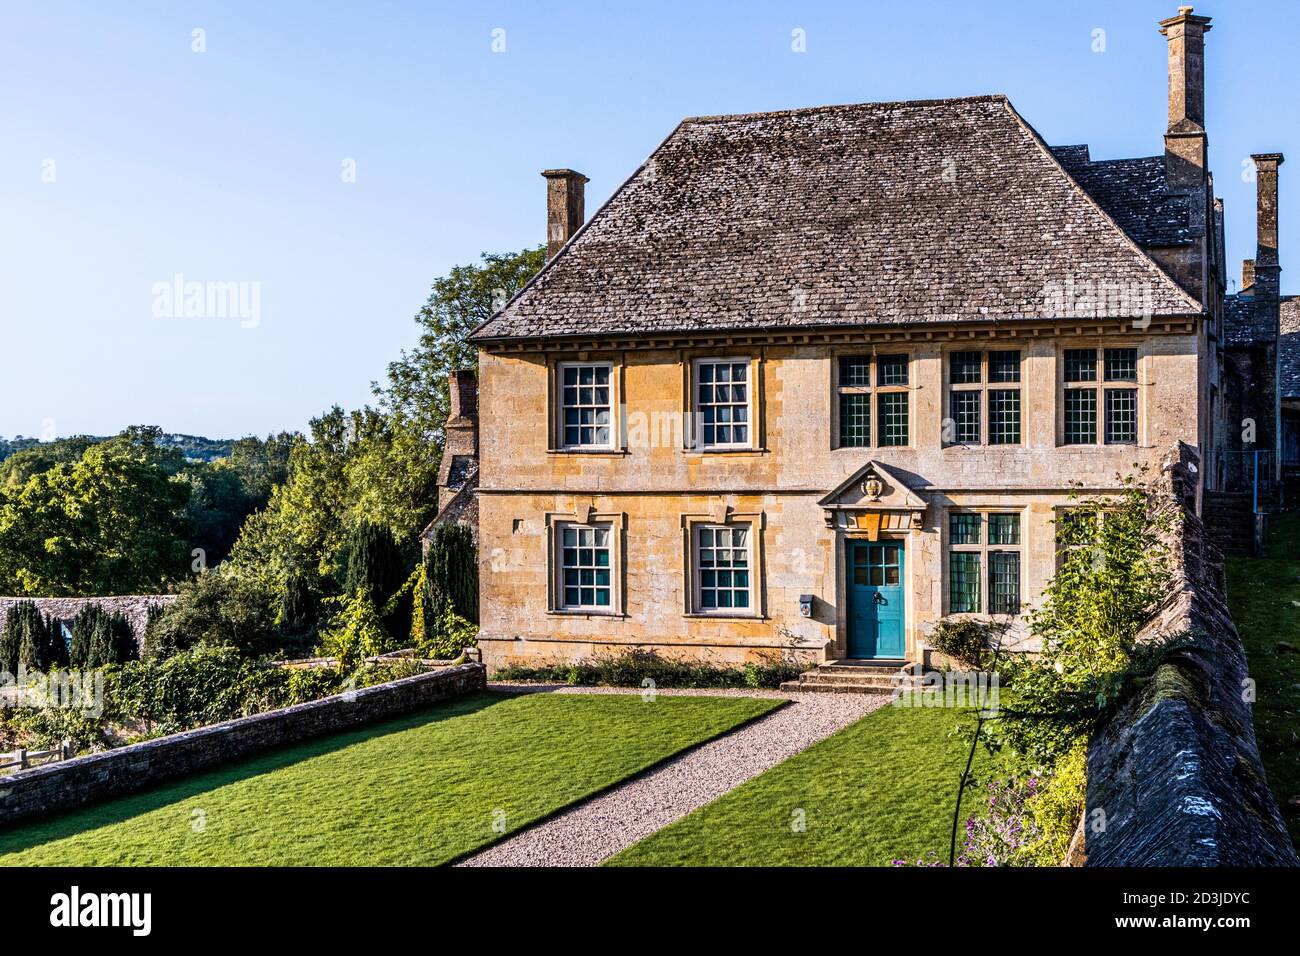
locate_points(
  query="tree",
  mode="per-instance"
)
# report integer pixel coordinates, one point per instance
(451, 572)
(459, 302)
(377, 569)
(31, 640)
(216, 609)
(373, 466)
(111, 522)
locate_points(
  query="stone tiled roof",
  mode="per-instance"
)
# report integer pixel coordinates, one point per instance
(887, 213)
(1238, 319)
(1133, 192)
(1289, 347)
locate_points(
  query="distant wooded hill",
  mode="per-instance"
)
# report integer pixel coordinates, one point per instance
(193, 447)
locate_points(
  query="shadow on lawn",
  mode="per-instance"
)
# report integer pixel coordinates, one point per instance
(117, 809)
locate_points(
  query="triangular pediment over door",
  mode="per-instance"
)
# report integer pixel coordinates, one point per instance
(874, 499)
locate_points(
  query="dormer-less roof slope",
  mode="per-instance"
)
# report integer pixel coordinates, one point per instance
(885, 213)
(1134, 192)
(1289, 347)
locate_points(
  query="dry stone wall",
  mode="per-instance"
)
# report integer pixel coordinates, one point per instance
(1175, 779)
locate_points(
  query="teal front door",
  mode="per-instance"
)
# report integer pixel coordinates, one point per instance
(875, 575)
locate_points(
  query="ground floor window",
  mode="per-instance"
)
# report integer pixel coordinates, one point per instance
(585, 568)
(984, 547)
(723, 564)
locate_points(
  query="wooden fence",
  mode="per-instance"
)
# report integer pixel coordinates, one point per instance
(22, 758)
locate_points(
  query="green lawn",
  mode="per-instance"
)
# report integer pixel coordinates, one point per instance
(880, 789)
(1261, 594)
(422, 790)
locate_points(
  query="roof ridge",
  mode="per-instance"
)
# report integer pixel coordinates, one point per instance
(1126, 159)
(845, 107)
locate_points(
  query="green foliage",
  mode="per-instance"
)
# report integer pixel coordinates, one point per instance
(204, 685)
(299, 605)
(355, 632)
(10, 638)
(109, 523)
(377, 565)
(637, 666)
(1056, 807)
(1112, 574)
(42, 727)
(32, 457)
(448, 635)
(451, 571)
(375, 467)
(30, 641)
(417, 392)
(965, 640)
(12, 446)
(448, 595)
(100, 638)
(216, 610)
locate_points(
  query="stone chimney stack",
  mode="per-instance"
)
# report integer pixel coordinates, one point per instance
(1185, 159)
(1186, 163)
(1266, 260)
(1267, 270)
(1247, 274)
(463, 386)
(1266, 313)
(458, 471)
(564, 207)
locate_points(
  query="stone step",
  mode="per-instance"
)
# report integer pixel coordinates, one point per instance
(822, 677)
(863, 666)
(835, 688)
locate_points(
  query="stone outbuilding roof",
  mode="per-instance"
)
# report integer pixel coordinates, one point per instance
(1239, 319)
(931, 211)
(1289, 347)
(1240, 328)
(1134, 193)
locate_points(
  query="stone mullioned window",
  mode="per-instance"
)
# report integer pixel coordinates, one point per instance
(983, 398)
(867, 401)
(983, 562)
(1100, 396)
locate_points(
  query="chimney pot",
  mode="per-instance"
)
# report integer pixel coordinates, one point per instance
(565, 211)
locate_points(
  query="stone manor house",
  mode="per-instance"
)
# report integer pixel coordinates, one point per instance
(812, 380)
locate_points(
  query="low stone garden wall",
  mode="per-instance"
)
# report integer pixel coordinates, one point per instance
(93, 777)
(1175, 779)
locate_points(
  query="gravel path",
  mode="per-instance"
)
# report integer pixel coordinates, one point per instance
(596, 829)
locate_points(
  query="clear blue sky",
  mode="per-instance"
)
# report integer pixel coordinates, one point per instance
(226, 165)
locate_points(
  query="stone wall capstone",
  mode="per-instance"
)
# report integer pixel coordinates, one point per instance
(1175, 778)
(112, 773)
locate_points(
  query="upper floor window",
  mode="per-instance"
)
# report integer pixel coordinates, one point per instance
(983, 563)
(984, 398)
(586, 411)
(723, 401)
(857, 389)
(1116, 381)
